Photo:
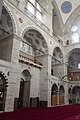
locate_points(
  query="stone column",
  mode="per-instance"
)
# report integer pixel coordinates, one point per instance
(66, 99)
(13, 80)
(1, 3)
(58, 97)
(65, 64)
(45, 90)
(15, 49)
(11, 90)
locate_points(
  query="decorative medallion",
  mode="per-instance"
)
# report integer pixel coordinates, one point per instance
(20, 20)
(66, 7)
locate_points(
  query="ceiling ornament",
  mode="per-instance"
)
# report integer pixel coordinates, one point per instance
(20, 20)
(66, 7)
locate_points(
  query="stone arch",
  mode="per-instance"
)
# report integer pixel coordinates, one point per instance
(69, 23)
(60, 50)
(56, 47)
(71, 49)
(61, 94)
(8, 30)
(74, 64)
(76, 94)
(12, 17)
(27, 69)
(54, 90)
(61, 88)
(24, 92)
(56, 60)
(32, 27)
(72, 18)
(26, 74)
(54, 87)
(27, 29)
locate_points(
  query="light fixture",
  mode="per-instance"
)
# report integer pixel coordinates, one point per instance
(74, 28)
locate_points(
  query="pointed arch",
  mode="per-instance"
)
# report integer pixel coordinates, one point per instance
(33, 28)
(61, 94)
(71, 19)
(54, 90)
(59, 48)
(60, 51)
(24, 91)
(12, 18)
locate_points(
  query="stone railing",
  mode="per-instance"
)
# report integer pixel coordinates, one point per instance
(29, 61)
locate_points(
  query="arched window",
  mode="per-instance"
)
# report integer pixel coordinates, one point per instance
(78, 65)
(75, 37)
(34, 8)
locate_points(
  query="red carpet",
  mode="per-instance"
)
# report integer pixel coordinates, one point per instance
(67, 112)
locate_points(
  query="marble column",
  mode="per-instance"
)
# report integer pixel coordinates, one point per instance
(1, 4)
(45, 90)
(12, 90)
(57, 97)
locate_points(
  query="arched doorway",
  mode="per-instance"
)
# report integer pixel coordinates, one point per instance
(56, 61)
(54, 91)
(76, 94)
(24, 93)
(61, 95)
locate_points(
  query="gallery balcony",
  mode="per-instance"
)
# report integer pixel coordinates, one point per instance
(29, 60)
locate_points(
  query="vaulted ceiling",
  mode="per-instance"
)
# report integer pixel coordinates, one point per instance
(58, 4)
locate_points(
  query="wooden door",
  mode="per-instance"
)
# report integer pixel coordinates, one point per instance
(26, 96)
(21, 93)
(54, 99)
(61, 100)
